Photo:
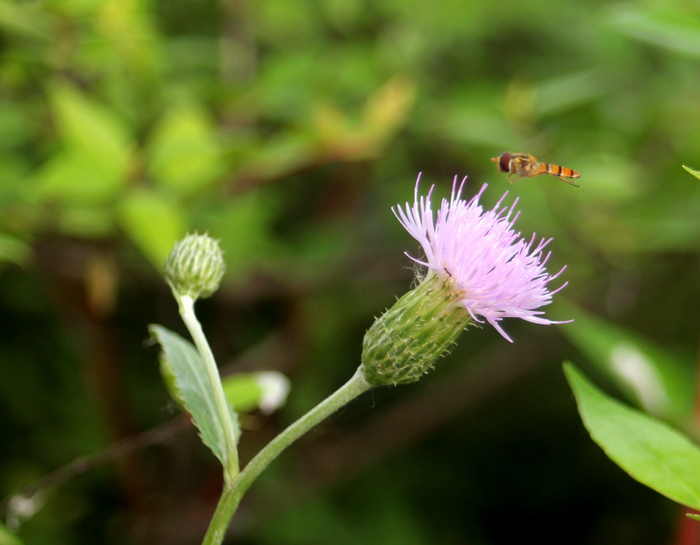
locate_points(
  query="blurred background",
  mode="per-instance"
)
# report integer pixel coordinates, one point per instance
(288, 129)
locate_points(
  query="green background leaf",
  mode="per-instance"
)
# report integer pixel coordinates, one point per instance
(655, 379)
(184, 152)
(154, 223)
(7, 538)
(266, 390)
(650, 451)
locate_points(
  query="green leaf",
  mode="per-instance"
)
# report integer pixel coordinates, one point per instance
(90, 126)
(252, 213)
(91, 129)
(87, 221)
(95, 160)
(8, 538)
(652, 452)
(186, 378)
(153, 222)
(693, 172)
(669, 31)
(693, 516)
(248, 391)
(242, 391)
(564, 92)
(13, 250)
(280, 156)
(184, 153)
(23, 20)
(78, 179)
(656, 380)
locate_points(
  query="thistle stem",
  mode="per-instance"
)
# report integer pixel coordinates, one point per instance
(232, 494)
(186, 304)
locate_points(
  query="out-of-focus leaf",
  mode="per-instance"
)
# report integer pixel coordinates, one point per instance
(568, 91)
(91, 129)
(93, 166)
(281, 156)
(79, 8)
(660, 382)
(463, 124)
(679, 35)
(342, 13)
(184, 373)
(78, 179)
(153, 222)
(280, 21)
(129, 31)
(282, 86)
(693, 172)
(650, 451)
(16, 125)
(22, 19)
(388, 108)
(248, 391)
(87, 221)
(7, 538)
(693, 516)
(184, 153)
(244, 227)
(608, 177)
(385, 111)
(13, 250)
(655, 225)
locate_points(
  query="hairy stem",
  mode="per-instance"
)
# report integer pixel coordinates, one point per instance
(186, 304)
(231, 496)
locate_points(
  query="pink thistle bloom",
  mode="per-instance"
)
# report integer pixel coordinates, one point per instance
(496, 273)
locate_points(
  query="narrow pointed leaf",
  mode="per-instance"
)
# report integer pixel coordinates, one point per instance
(188, 383)
(692, 171)
(652, 452)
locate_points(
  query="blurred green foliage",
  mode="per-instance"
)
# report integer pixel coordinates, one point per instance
(288, 129)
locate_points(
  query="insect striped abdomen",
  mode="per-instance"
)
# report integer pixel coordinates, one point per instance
(556, 170)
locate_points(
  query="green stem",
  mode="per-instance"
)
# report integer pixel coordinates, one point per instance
(186, 304)
(231, 496)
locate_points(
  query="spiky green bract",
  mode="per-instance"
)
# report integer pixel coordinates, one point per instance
(195, 266)
(405, 342)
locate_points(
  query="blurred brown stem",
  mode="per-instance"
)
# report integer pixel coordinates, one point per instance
(158, 435)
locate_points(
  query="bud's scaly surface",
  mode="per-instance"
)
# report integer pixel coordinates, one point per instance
(195, 266)
(404, 343)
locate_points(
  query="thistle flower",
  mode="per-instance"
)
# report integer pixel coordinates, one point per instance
(496, 273)
(478, 269)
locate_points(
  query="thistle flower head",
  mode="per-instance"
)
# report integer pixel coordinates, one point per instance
(496, 273)
(195, 266)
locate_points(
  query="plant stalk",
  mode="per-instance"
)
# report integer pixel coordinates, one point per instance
(232, 495)
(186, 304)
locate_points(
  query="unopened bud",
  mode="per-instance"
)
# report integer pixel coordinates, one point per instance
(405, 342)
(195, 266)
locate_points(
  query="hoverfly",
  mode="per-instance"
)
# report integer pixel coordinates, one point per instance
(527, 166)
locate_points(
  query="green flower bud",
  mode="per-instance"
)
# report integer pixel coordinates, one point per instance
(195, 266)
(404, 343)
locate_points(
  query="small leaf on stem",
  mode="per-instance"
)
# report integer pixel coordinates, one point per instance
(188, 383)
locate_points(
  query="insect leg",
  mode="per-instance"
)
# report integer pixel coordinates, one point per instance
(567, 181)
